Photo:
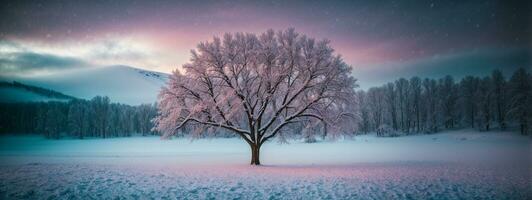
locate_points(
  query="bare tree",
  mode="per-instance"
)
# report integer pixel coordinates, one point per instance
(376, 105)
(415, 85)
(448, 95)
(77, 114)
(431, 100)
(521, 99)
(402, 92)
(469, 86)
(254, 86)
(485, 92)
(391, 98)
(100, 108)
(499, 92)
(363, 110)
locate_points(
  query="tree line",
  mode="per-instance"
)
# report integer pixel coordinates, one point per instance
(38, 90)
(431, 105)
(77, 118)
(402, 107)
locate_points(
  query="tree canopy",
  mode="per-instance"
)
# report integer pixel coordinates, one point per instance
(258, 86)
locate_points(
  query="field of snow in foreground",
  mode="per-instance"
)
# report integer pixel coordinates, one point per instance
(452, 165)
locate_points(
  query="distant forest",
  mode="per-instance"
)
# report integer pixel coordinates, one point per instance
(431, 105)
(38, 90)
(402, 107)
(77, 118)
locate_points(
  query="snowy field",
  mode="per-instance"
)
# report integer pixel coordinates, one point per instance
(452, 165)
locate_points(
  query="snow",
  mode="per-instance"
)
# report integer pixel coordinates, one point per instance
(122, 84)
(452, 165)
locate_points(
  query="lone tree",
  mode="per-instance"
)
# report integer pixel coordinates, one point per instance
(258, 86)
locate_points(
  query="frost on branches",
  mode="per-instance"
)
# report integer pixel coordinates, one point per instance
(259, 87)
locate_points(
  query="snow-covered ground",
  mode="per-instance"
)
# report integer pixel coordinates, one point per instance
(453, 165)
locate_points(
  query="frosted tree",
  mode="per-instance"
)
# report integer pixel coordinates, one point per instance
(257, 85)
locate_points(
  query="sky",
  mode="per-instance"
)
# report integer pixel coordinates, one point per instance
(382, 40)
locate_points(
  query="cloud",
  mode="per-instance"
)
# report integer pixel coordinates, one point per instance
(10, 46)
(117, 50)
(30, 57)
(29, 62)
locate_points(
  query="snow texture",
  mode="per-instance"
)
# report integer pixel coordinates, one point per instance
(452, 165)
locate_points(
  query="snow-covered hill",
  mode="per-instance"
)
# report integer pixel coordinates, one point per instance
(122, 84)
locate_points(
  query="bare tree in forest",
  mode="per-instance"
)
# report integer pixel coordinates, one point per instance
(500, 96)
(521, 99)
(448, 94)
(363, 110)
(415, 85)
(431, 101)
(469, 86)
(54, 121)
(376, 105)
(391, 101)
(145, 113)
(256, 85)
(100, 108)
(77, 118)
(402, 92)
(485, 92)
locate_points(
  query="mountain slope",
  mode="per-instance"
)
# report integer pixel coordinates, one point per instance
(122, 84)
(17, 92)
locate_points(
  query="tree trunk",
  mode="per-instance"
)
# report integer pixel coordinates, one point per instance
(524, 128)
(324, 131)
(255, 154)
